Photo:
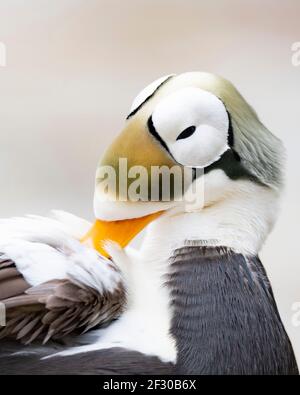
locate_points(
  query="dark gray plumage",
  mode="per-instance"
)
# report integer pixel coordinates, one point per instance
(114, 361)
(225, 317)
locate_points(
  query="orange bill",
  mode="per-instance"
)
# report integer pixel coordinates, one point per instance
(122, 232)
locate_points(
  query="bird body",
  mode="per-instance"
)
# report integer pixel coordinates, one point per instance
(195, 298)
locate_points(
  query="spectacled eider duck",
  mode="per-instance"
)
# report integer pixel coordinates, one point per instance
(195, 299)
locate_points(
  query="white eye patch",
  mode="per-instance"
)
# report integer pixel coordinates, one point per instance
(147, 92)
(194, 125)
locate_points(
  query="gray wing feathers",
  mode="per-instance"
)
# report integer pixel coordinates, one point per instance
(11, 282)
(56, 308)
(113, 361)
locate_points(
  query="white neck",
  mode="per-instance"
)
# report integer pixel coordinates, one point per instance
(240, 218)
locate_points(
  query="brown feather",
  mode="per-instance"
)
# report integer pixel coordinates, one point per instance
(8, 272)
(28, 327)
(54, 309)
(11, 283)
(5, 262)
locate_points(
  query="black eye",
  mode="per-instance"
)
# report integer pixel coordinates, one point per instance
(186, 133)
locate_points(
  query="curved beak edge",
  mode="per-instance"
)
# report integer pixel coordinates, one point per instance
(121, 232)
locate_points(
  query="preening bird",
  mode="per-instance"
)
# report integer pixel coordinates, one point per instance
(195, 298)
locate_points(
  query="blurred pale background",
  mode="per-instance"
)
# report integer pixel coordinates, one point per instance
(74, 66)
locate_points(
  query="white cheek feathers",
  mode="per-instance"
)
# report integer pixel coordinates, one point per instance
(204, 117)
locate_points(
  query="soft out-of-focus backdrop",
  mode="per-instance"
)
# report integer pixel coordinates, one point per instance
(74, 66)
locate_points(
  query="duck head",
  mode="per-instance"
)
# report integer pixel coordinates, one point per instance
(179, 129)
